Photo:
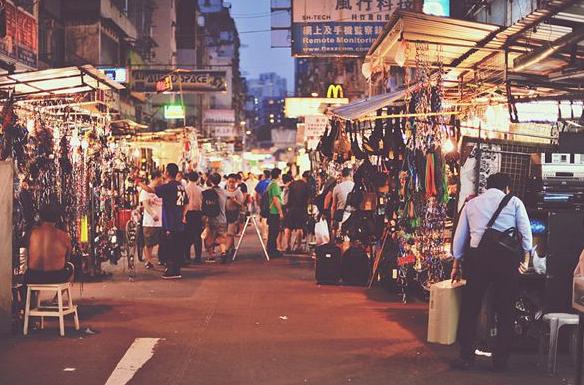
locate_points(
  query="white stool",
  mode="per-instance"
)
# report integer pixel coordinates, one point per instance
(556, 321)
(59, 311)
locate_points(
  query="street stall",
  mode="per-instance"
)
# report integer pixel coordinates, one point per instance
(456, 101)
(56, 143)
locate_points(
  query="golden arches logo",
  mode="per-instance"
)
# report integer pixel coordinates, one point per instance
(335, 91)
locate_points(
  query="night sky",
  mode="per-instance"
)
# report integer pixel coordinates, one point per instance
(257, 56)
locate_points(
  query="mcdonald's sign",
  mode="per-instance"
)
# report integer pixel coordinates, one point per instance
(335, 91)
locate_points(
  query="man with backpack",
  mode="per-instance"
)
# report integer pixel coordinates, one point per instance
(213, 208)
(260, 191)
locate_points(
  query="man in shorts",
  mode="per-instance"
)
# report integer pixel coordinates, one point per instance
(174, 201)
(152, 219)
(233, 206)
(217, 225)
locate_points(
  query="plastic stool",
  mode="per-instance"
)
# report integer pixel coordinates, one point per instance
(59, 311)
(555, 321)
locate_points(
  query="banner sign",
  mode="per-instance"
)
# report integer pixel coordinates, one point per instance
(191, 81)
(314, 127)
(220, 123)
(20, 42)
(340, 27)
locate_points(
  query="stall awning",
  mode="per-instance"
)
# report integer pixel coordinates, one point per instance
(367, 106)
(538, 56)
(447, 38)
(57, 81)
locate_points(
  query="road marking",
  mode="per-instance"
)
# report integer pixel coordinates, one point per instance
(141, 350)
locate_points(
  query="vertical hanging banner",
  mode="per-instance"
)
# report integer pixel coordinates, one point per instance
(314, 128)
(341, 27)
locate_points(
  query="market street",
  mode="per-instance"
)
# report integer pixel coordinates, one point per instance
(250, 322)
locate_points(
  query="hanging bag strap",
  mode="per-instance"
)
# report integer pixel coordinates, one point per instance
(502, 205)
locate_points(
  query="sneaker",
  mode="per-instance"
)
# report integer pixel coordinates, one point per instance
(168, 275)
(149, 266)
(198, 261)
(225, 258)
(276, 254)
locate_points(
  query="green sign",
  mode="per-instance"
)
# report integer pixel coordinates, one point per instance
(174, 111)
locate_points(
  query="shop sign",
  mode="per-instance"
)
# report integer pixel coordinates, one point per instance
(118, 74)
(335, 91)
(224, 130)
(20, 42)
(174, 111)
(220, 123)
(192, 81)
(314, 127)
(341, 27)
(164, 84)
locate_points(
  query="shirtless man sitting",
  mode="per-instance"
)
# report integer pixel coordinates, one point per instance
(48, 252)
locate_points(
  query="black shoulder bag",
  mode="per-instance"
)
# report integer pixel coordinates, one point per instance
(495, 241)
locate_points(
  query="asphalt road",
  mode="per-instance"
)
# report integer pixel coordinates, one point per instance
(248, 323)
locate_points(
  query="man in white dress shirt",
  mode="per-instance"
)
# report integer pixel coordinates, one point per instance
(483, 267)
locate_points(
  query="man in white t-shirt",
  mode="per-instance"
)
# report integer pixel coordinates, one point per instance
(152, 220)
(340, 195)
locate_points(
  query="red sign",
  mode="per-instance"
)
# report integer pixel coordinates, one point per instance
(164, 84)
(21, 42)
(409, 259)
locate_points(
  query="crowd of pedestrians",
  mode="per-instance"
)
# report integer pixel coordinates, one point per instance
(207, 212)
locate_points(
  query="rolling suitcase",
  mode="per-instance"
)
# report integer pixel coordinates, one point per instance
(328, 264)
(355, 267)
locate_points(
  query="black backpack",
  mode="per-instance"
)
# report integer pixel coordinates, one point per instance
(210, 206)
(265, 203)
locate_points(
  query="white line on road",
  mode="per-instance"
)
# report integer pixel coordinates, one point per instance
(141, 350)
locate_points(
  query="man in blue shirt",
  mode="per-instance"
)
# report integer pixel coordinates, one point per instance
(483, 267)
(174, 201)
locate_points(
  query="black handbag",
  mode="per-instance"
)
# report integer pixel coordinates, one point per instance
(501, 241)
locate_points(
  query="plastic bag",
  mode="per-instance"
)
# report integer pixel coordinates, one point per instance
(539, 263)
(321, 231)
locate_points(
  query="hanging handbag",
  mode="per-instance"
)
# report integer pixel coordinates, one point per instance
(369, 201)
(506, 241)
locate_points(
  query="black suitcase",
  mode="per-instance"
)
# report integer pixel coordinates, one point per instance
(328, 264)
(355, 267)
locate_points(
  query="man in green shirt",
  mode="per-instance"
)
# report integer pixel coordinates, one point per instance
(276, 213)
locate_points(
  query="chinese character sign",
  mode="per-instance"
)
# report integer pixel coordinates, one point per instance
(340, 27)
(314, 127)
(20, 42)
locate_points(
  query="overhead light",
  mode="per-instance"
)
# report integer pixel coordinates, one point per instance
(448, 146)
